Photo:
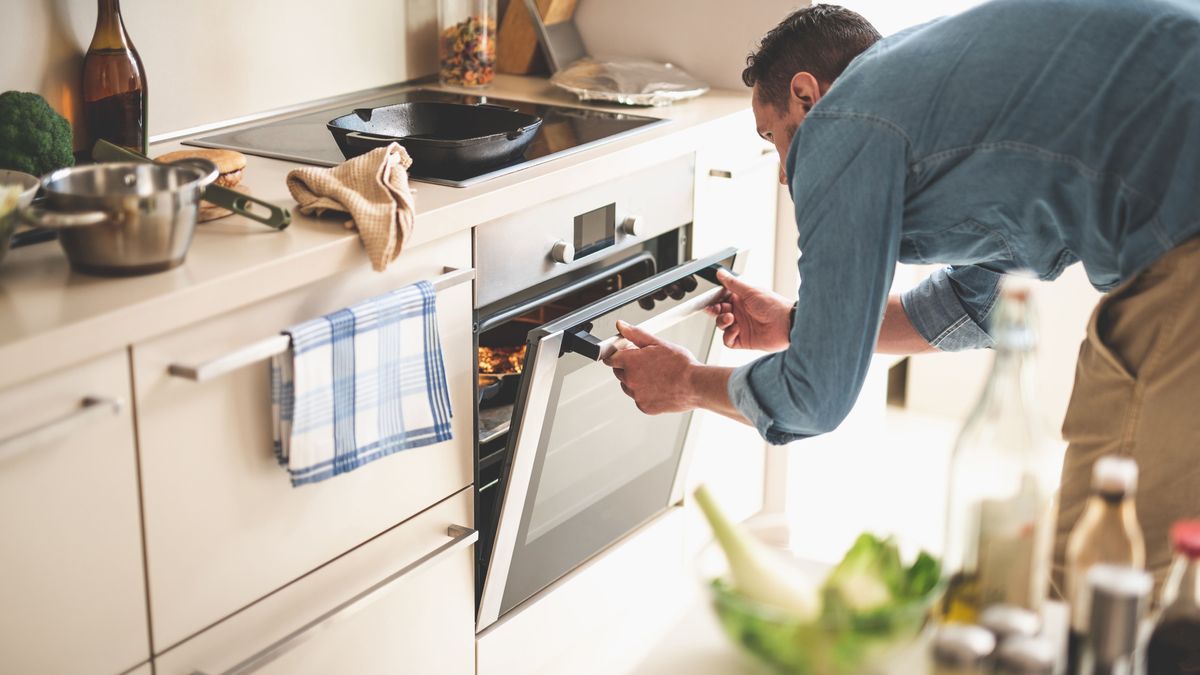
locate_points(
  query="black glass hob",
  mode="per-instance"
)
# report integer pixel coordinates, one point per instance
(305, 139)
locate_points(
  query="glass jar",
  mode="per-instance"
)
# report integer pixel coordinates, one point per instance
(467, 42)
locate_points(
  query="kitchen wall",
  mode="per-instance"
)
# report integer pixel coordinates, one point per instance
(709, 38)
(210, 60)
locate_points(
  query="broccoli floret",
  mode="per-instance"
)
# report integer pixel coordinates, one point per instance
(33, 138)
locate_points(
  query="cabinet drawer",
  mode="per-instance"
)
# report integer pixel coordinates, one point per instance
(415, 613)
(224, 526)
(72, 589)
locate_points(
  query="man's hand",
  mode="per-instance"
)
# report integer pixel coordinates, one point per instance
(655, 374)
(751, 317)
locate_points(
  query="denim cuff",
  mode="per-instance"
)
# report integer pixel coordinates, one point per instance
(741, 394)
(935, 310)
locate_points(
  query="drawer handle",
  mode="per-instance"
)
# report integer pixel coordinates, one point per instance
(90, 407)
(749, 166)
(462, 538)
(278, 344)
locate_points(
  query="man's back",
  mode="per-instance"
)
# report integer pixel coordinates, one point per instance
(1057, 128)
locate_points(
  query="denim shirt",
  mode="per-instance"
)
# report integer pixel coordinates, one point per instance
(1022, 134)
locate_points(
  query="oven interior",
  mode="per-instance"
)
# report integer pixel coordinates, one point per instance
(501, 333)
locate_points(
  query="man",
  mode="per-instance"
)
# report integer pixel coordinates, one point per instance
(1022, 134)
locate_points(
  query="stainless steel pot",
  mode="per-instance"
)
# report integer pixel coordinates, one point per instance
(124, 218)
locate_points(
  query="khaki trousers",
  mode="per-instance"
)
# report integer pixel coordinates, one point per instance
(1137, 394)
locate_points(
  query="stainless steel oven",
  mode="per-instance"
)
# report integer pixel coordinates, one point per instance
(565, 462)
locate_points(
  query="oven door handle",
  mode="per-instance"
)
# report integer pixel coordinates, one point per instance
(581, 341)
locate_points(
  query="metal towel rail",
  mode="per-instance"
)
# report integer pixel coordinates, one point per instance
(278, 344)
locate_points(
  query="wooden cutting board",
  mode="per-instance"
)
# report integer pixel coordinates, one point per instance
(517, 50)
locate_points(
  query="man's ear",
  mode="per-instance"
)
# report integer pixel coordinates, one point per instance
(805, 90)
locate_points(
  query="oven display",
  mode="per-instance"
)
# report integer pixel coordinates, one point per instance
(595, 230)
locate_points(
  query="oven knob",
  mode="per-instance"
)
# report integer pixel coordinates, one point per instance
(562, 252)
(634, 226)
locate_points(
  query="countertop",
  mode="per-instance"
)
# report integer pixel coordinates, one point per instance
(51, 317)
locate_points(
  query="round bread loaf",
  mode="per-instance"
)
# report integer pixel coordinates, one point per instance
(230, 163)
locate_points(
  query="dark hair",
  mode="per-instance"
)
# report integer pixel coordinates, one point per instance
(821, 39)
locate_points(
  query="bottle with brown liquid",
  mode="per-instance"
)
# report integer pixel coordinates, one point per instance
(114, 83)
(1107, 533)
(1175, 643)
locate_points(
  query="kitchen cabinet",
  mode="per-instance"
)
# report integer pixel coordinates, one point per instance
(224, 526)
(400, 603)
(72, 592)
(601, 617)
(736, 201)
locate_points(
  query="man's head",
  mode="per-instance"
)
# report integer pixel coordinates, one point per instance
(796, 63)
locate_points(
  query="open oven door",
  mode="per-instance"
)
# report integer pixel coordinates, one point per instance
(584, 465)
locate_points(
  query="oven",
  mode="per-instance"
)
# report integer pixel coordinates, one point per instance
(565, 462)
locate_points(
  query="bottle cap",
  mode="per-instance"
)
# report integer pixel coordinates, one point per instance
(1023, 655)
(962, 645)
(1115, 476)
(1185, 536)
(1007, 621)
(1120, 596)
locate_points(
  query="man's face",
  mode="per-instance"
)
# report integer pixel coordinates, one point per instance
(778, 126)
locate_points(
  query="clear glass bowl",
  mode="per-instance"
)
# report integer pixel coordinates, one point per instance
(827, 645)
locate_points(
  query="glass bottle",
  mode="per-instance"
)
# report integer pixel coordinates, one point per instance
(114, 83)
(1174, 645)
(1108, 533)
(1118, 600)
(467, 42)
(1003, 480)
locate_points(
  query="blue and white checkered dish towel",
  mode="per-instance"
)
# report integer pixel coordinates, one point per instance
(360, 384)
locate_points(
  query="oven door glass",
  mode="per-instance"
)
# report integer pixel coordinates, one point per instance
(585, 466)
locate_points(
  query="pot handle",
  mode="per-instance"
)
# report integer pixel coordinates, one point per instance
(54, 220)
(275, 217)
(240, 203)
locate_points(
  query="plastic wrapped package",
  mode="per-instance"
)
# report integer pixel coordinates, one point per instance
(628, 81)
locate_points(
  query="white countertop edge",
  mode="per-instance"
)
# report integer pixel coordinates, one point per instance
(51, 318)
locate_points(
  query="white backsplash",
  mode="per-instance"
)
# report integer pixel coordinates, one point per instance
(211, 60)
(708, 38)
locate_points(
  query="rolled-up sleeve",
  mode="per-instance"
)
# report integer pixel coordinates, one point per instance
(847, 179)
(950, 308)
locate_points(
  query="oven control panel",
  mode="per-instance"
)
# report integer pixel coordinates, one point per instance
(564, 234)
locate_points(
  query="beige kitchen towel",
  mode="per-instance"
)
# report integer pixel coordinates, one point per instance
(372, 188)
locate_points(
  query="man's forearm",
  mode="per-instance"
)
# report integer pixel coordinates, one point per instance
(897, 335)
(710, 387)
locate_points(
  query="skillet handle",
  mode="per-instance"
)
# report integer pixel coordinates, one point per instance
(496, 107)
(275, 217)
(365, 140)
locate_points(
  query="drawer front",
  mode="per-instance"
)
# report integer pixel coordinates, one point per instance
(422, 621)
(72, 587)
(224, 526)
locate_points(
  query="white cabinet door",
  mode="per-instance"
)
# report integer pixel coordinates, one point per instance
(224, 526)
(736, 201)
(415, 611)
(72, 588)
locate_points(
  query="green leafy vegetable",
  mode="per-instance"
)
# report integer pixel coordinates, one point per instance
(33, 138)
(758, 572)
(870, 604)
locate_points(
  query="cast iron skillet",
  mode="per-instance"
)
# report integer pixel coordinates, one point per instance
(442, 138)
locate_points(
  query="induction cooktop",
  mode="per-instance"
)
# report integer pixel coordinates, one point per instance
(305, 139)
